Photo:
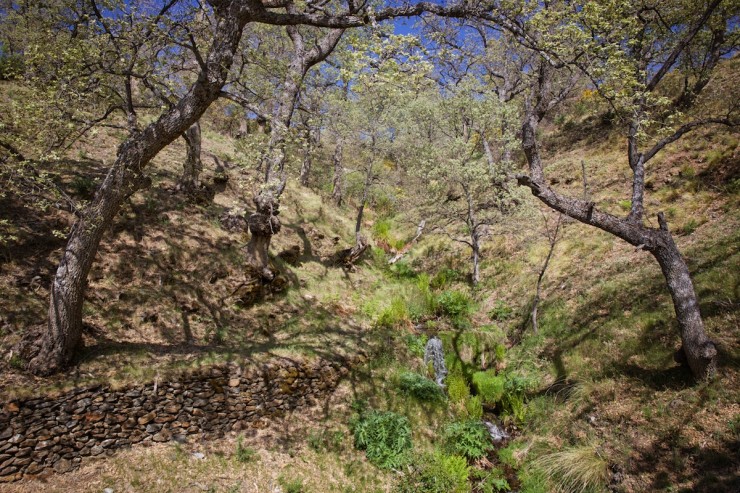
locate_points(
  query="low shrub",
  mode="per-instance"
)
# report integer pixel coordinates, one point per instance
(513, 399)
(435, 473)
(445, 277)
(491, 481)
(455, 304)
(423, 303)
(474, 407)
(488, 386)
(384, 436)
(402, 270)
(394, 315)
(469, 439)
(420, 387)
(457, 388)
(416, 344)
(501, 311)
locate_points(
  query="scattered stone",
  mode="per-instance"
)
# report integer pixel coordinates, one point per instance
(198, 456)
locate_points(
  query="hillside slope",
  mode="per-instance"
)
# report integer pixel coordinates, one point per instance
(168, 292)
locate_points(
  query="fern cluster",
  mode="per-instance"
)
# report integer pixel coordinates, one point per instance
(435, 473)
(469, 439)
(384, 436)
(420, 387)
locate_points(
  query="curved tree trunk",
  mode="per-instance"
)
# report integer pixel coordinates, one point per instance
(64, 330)
(193, 167)
(264, 222)
(699, 351)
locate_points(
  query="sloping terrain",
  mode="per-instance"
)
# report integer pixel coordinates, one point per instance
(168, 292)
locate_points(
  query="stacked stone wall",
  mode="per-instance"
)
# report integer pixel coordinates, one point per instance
(57, 433)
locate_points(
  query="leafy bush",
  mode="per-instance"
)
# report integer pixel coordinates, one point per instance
(467, 438)
(455, 303)
(382, 230)
(445, 277)
(492, 481)
(488, 386)
(474, 407)
(420, 387)
(457, 388)
(513, 400)
(423, 303)
(416, 344)
(402, 270)
(11, 66)
(435, 473)
(501, 311)
(384, 436)
(393, 315)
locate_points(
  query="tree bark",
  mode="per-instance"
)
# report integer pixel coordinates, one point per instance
(553, 239)
(190, 179)
(476, 261)
(700, 352)
(307, 159)
(336, 193)
(697, 349)
(264, 223)
(475, 234)
(64, 330)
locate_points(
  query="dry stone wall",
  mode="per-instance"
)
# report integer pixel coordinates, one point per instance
(39, 434)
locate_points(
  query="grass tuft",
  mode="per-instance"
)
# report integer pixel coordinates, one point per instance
(578, 469)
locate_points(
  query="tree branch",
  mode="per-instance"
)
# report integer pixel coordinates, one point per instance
(683, 129)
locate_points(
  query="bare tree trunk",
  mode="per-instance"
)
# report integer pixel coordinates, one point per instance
(552, 239)
(476, 260)
(336, 194)
(349, 257)
(365, 194)
(407, 247)
(699, 351)
(307, 157)
(264, 223)
(475, 234)
(190, 179)
(64, 331)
